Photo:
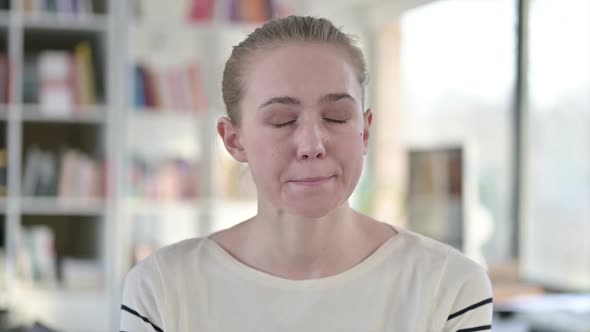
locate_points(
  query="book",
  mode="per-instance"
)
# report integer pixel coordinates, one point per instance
(40, 175)
(56, 88)
(30, 78)
(85, 74)
(42, 7)
(32, 162)
(175, 88)
(201, 10)
(73, 174)
(65, 7)
(234, 10)
(37, 261)
(138, 87)
(153, 88)
(167, 179)
(80, 176)
(3, 174)
(36, 7)
(50, 6)
(47, 175)
(84, 7)
(24, 6)
(58, 80)
(4, 79)
(255, 11)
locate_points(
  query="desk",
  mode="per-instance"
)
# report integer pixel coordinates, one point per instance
(523, 307)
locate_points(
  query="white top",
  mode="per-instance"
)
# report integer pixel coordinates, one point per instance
(410, 283)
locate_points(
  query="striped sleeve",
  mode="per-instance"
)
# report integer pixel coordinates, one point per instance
(142, 302)
(468, 296)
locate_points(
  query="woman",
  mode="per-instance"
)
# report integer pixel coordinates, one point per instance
(294, 92)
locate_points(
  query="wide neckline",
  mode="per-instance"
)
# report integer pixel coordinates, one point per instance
(377, 256)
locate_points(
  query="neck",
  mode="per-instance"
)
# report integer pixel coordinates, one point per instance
(305, 247)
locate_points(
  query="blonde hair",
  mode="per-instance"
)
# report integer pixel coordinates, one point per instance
(274, 33)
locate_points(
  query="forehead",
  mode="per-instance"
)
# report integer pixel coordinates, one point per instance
(305, 71)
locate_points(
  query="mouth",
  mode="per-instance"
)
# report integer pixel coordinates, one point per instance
(312, 181)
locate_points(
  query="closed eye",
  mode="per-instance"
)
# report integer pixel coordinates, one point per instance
(335, 120)
(284, 124)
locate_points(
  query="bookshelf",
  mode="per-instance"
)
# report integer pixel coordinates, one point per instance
(158, 171)
(172, 161)
(164, 39)
(161, 38)
(58, 131)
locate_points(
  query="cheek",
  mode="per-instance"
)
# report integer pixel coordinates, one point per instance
(352, 150)
(353, 142)
(265, 156)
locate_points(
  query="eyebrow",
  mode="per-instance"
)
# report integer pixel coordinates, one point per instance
(332, 97)
(285, 100)
(327, 98)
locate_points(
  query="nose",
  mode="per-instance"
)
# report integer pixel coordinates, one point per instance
(310, 141)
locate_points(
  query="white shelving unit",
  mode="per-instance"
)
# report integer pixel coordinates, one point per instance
(115, 130)
(161, 43)
(89, 115)
(83, 228)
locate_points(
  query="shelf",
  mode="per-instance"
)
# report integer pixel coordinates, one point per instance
(204, 26)
(69, 310)
(81, 226)
(170, 25)
(62, 206)
(166, 114)
(50, 21)
(162, 205)
(52, 293)
(83, 114)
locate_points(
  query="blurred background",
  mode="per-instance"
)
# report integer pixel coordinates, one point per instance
(108, 147)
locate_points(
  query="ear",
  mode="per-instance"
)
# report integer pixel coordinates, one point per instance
(367, 120)
(230, 134)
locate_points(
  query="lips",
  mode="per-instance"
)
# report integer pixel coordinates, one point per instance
(311, 181)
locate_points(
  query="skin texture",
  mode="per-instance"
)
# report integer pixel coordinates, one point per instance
(303, 134)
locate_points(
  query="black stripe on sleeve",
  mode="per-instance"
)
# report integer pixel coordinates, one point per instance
(478, 328)
(135, 313)
(471, 307)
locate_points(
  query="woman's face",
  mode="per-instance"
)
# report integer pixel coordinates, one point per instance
(302, 130)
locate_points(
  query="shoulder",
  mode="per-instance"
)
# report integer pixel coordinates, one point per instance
(462, 285)
(176, 258)
(179, 250)
(455, 272)
(164, 261)
(149, 285)
(429, 254)
(453, 262)
(463, 269)
(465, 296)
